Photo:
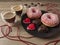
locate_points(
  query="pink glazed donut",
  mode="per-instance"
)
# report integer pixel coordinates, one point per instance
(50, 19)
(33, 12)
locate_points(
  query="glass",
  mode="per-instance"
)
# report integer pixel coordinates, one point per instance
(8, 17)
(17, 9)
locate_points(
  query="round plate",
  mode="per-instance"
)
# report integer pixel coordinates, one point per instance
(52, 30)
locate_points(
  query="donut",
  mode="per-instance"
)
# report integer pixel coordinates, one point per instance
(50, 19)
(33, 12)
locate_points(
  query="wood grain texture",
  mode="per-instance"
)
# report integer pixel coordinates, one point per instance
(5, 5)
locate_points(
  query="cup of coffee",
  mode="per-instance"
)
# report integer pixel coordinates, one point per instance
(8, 17)
(17, 9)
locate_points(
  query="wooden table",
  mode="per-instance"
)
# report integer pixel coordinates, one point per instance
(6, 6)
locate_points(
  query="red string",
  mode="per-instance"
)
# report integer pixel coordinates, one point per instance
(55, 42)
(18, 37)
(7, 33)
(51, 7)
(13, 37)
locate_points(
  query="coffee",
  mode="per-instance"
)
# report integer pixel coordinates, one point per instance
(17, 9)
(9, 17)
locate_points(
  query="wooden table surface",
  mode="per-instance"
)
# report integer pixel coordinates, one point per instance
(6, 6)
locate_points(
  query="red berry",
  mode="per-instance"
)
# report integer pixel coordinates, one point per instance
(31, 26)
(27, 20)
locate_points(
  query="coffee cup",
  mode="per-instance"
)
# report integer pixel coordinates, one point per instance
(8, 17)
(17, 9)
